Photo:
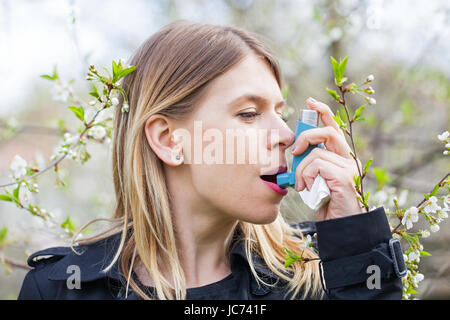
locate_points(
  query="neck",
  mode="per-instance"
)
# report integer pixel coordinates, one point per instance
(202, 241)
(203, 236)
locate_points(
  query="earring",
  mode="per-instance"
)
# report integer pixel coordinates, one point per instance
(179, 158)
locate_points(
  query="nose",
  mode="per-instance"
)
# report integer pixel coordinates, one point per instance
(286, 136)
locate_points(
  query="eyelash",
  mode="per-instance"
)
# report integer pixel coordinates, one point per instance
(253, 115)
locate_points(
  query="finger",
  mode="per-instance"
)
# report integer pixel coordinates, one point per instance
(318, 153)
(325, 113)
(327, 170)
(331, 139)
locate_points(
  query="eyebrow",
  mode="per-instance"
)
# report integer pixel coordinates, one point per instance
(256, 99)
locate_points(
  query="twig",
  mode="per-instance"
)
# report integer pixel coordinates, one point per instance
(15, 264)
(421, 202)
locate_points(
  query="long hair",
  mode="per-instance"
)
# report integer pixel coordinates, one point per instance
(174, 66)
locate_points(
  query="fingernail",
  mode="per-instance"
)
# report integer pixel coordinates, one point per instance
(293, 148)
(297, 184)
(312, 99)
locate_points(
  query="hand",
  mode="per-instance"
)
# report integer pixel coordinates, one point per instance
(335, 165)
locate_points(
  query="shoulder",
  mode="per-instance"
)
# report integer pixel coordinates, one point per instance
(54, 267)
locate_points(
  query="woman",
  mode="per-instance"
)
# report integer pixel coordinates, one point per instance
(188, 227)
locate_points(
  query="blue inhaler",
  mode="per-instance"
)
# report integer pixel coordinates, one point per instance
(308, 119)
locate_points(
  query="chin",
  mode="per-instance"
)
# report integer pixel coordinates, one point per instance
(263, 216)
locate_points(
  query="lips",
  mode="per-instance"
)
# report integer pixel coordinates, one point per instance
(269, 178)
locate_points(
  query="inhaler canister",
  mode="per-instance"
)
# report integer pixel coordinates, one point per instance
(308, 119)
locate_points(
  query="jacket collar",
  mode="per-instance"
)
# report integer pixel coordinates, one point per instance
(98, 255)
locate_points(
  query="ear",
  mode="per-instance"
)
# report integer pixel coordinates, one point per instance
(159, 133)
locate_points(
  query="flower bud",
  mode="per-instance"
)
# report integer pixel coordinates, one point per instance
(371, 100)
(434, 228)
(370, 78)
(369, 90)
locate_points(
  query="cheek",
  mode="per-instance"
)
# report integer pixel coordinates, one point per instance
(236, 191)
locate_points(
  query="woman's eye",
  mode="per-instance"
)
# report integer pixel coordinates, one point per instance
(249, 115)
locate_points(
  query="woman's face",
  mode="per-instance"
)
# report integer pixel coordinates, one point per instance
(243, 138)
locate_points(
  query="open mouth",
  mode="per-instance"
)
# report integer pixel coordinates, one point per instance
(269, 178)
(271, 181)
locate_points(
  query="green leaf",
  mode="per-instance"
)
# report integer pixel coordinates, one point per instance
(411, 290)
(359, 111)
(288, 262)
(366, 196)
(3, 232)
(54, 76)
(381, 176)
(367, 165)
(342, 66)
(338, 120)
(291, 254)
(78, 111)
(16, 191)
(316, 14)
(94, 92)
(435, 190)
(425, 254)
(125, 72)
(357, 180)
(68, 224)
(46, 76)
(115, 69)
(335, 66)
(5, 197)
(333, 94)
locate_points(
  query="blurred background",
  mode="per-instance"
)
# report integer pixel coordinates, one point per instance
(404, 44)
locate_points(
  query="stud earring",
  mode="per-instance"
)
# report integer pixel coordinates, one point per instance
(179, 158)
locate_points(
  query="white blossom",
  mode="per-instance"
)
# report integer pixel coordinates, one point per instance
(432, 205)
(335, 34)
(443, 136)
(97, 132)
(25, 195)
(434, 227)
(114, 101)
(372, 101)
(446, 200)
(12, 122)
(370, 78)
(447, 145)
(414, 256)
(60, 91)
(442, 212)
(69, 138)
(380, 197)
(307, 242)
(125, 107)
(417, 278)
(424, 233)
(411, 215)
(18, 166)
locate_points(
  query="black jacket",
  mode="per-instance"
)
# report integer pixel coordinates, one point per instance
(347, 246)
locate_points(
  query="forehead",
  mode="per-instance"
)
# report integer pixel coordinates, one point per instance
(252, 75)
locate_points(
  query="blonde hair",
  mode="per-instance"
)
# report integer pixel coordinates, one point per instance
(174, 66)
